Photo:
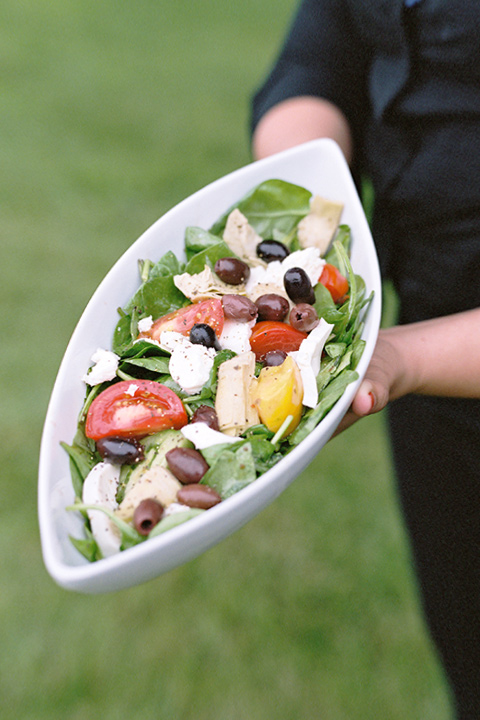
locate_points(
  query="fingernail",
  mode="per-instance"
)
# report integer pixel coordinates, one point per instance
(373, 399)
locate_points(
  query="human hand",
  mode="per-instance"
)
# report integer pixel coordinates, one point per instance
(383, 380)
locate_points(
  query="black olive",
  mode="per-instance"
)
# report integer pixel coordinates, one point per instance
(146, 515)
(270, 250)
(232, 270)
(121, 451)
(298, 286)
(203, 334)
(207, 415)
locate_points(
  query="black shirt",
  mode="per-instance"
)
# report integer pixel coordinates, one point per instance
(407, 77)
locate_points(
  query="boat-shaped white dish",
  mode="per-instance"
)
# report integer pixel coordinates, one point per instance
(318, 166)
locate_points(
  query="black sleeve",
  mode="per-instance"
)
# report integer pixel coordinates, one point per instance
(322, 56)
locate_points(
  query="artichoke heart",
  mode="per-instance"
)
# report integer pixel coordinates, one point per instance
(204, 285)
(156, 483)
(234, 404)
(318, 227)
(242, 239)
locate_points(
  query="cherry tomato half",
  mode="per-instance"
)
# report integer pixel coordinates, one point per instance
(209, 312)
(134, 409)
(273, 335)
(334, 281)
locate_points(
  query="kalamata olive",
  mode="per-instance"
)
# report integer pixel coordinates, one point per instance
(121, 451)
(187, 464)
(198, 496)
(298, 286)
(303, 317)
(207, 415)
(232, 270)
(272, 307)
(203, 334)
(274, 357)
(270, 250)
(239, 308)
(146, 515)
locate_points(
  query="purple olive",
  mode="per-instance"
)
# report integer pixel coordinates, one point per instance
(147, 514)
(232, 270)
(303, 317)
(207, 415)
(187, 464)
(274, 357)
(239, 308)
(198, 496)
(272, 307)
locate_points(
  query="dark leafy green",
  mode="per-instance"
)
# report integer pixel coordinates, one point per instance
(274, 209)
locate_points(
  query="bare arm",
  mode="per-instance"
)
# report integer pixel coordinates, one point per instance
(433, 357)
(299, 120)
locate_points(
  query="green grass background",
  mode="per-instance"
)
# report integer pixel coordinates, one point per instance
(110, 113)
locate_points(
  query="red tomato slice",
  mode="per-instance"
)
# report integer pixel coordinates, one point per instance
(273, 335)
(334, 281)
(209, 312)
(134, 408)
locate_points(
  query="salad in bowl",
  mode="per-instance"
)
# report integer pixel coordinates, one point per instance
(220, 365)
(212, 364)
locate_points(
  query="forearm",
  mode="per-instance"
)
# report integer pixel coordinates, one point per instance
(437, 357)
(434, 357)
(299, 120)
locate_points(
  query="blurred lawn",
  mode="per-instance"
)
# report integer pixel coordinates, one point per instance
(110, 114)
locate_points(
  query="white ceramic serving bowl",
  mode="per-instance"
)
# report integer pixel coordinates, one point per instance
(318, 166)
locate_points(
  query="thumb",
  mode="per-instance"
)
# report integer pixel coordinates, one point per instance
(371, 397)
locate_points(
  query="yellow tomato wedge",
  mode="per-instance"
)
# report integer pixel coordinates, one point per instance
(278, 394)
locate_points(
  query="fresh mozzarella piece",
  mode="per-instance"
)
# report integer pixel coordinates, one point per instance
(308, 358)
(272, 276)
(104, 369)
(256, 277)
(175, 508)
(145, 324)
(100, 488)
(203, 436)
(169, 339)
(190, 364)
(235, 336)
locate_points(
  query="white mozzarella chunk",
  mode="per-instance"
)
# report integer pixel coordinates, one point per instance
(145, 324)
(104, 368)
(308, 358)
(235, 336)
(190, 364)
(308, 259)
(174, 508)
(203, 436)
(100, 488)
(169, 339)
